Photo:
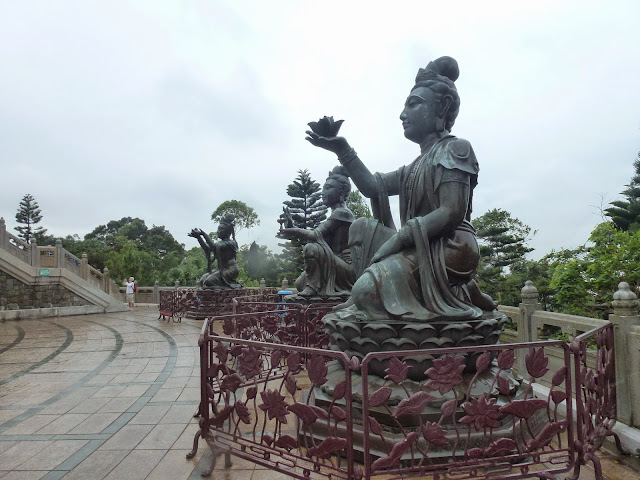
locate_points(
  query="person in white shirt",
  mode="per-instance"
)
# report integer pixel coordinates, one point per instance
(131, 289)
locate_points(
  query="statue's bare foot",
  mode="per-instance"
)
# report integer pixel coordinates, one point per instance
(344, 305)
(479, 299)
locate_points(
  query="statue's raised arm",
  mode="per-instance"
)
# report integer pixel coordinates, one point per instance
(224, 251)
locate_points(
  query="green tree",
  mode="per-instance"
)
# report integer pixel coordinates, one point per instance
(245, 216)
(625, 214)
(307, 211)
(358, 205)
(503, 242)
(29, 214)
(128, 247)
(258, 262)
(191, 268)
(306, 207)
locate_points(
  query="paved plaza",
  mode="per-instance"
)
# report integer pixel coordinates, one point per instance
(112, 396)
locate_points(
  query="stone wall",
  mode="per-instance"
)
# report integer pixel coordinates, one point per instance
(15, 294)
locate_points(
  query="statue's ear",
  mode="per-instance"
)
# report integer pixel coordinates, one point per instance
(445, 105)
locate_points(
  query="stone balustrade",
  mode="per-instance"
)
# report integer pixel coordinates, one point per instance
(46, 257)
(531, 320)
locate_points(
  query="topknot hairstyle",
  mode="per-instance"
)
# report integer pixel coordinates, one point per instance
(229, 221)
(439, 76)
(341, 176)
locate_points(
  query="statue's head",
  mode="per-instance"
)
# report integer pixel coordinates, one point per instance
(336, 188)
(226, 226)
(433, 104)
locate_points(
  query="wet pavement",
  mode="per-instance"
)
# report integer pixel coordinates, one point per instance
(113, 396)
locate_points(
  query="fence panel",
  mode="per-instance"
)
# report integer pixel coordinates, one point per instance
(481, 424)
(255, 407)
(595, 393)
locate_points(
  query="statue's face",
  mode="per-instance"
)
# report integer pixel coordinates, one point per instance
(224, 232)
(331, 194)
(419, 114)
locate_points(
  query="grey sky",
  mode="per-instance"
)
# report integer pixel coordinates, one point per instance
(164, 109)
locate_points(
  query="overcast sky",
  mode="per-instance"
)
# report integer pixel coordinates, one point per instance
(164, 109)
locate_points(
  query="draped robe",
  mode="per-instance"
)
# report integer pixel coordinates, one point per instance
(426, 280)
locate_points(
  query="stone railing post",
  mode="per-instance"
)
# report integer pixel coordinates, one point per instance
(285, 284)
(528, 306)
(84, 266)
(35, 260)
(60, 253)
(3, 234)
(156, 292)
(263, 283)
(625, 315)
(177, 284)
(106, 281)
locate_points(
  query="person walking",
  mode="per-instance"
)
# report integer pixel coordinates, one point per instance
(131, 291)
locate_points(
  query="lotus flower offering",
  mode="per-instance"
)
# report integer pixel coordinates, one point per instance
(326, 127)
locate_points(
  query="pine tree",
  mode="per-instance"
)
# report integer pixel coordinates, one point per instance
(625, 214)
(503, 242)
(306, 205)
(308, 212)
(28, 215)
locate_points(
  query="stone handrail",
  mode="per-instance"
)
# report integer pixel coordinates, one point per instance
(571, 325)
(626, 326)
(14, 245)
(46, 257)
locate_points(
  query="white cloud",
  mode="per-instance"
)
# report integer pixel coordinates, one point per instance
(163, 110)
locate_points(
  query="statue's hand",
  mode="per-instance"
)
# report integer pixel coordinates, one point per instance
(337, 145)
(287, 233)
(391, 246)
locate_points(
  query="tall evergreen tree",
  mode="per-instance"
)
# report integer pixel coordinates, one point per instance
(28, 215)
(625, 214)
(503, 242)
(306, 205)
(307, 211)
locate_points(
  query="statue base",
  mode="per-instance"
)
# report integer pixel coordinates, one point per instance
(355, 337)
(456, 440)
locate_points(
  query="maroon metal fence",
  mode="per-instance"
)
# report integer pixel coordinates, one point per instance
(595, 395)
(197, 303)
(271, 396)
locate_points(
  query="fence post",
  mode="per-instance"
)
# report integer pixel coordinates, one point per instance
(3, 233)
(106, 281)
(528, 306)
(34, 253)
(60, 253)
(263, 283)
(156, 292)
(84, 266)
(625, 315)
(285, 284)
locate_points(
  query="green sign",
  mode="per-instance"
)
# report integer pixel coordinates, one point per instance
(44, 272)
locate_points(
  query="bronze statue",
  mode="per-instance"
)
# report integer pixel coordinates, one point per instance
(224, 253)
(424, 270)
(328, 273)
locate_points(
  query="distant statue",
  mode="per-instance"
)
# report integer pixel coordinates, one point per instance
(224, 253)
(328, 273)
(424, 270)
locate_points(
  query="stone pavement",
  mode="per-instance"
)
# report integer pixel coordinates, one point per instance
(112, 396)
